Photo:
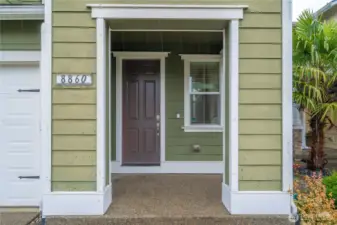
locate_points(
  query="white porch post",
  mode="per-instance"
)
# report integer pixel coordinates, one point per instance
(100, 107)
(104, 188)
(248, 202)
(233, 116)
(234, 105)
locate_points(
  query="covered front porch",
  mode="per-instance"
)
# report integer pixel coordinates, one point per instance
(174, 37)
(145, 199)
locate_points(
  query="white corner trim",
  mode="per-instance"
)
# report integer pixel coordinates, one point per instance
(175, 167)
(256, 202)
(146, 11)
(110, 105)
(120, 56)
(140, 55)
(287, 152)
(21, 57)
(77, 203)
(234, 105)
(201, 57)
(100, 102)
(46, 98)
(223, 96)
(22, 12)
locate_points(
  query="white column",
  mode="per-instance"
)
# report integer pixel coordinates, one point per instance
(252, 202)
(100, 101)
(234, 105)
(233, 73)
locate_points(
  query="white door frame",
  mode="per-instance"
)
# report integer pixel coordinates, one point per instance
(120, 56)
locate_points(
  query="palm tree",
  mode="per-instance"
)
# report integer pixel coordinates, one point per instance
(315, 79)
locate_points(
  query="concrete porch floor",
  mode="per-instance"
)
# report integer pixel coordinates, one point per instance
(168, 200)
(167, 196)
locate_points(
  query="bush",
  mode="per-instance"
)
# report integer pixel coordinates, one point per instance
(314, 206)
(330, 183)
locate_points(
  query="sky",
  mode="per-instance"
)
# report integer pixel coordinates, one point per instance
(300, 5)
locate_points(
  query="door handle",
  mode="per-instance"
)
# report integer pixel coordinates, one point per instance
(158, 117)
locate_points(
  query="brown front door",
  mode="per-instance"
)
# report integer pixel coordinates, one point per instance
(141, 112)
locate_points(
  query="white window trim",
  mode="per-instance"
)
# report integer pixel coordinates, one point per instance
(188, 127)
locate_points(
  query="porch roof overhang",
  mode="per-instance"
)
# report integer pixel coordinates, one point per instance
(147, 11)
(22, 12)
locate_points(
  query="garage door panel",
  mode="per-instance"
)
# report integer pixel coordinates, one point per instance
(14, 78)
(20, 136)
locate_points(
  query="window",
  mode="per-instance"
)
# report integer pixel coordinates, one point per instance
(203, 108)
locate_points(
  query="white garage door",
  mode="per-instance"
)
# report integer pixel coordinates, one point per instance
(19, 136)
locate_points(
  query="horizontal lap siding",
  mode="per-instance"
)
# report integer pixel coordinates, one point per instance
(20, 35)
(178, 142)
(74, 109)
(260, 99)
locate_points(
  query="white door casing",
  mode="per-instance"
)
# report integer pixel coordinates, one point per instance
(19, 135)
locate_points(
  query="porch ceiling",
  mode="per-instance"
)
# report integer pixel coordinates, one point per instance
(167, 24)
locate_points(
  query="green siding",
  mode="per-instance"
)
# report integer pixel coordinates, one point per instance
(260, 99)
(178, 143)
(260, 95)
(73, 52)
(20, 35)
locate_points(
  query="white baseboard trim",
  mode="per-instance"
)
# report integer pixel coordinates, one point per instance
(76, 203)
(256, 202)
(172, 167)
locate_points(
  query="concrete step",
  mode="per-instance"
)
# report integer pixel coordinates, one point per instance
(229, 220)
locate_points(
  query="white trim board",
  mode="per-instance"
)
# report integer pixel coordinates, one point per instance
(256, 202)
(22, 12)
(287, 122)
(147, 11)
(100, 102)
(46, 98)
(77, 203)
(177, 167)
(234, 104)
(20, 57)
(120, 56)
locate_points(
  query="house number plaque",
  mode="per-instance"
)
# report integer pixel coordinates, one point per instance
(73, 79)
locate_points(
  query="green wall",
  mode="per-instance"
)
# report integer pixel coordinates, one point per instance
(178, 143)
(260, 101)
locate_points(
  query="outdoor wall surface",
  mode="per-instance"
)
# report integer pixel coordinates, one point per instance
(74, 109)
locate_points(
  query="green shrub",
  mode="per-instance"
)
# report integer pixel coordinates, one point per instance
(331, 185)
